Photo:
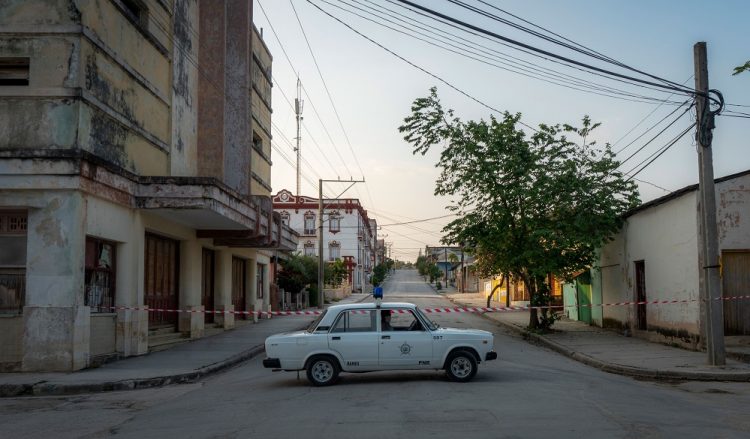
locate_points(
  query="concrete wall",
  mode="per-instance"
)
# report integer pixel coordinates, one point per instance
(665, 238)
(11, 336)
(103, 328)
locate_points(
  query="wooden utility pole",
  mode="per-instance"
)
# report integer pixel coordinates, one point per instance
(710, 282)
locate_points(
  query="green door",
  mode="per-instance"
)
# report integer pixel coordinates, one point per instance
(583, 293)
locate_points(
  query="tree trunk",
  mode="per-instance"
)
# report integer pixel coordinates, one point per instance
(531, 288)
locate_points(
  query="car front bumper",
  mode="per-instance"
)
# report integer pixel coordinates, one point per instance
(491, 355)
(272, 363)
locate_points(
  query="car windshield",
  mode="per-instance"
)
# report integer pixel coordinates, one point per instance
(315, 322)
(430, 324)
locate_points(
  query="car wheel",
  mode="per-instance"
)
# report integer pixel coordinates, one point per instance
(461, 366)
(322, 371)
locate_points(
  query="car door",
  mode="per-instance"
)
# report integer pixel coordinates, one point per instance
(354, 337)
(407, 345)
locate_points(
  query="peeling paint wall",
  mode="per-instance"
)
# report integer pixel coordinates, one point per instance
(184, 144)
(733, 213)
(260, 160)
(665, 237)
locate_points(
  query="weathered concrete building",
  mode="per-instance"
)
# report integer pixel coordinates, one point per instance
(655, 257)
(134, 174)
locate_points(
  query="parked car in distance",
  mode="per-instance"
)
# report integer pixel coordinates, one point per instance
(365, 337)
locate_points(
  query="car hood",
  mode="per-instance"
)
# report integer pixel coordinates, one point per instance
(463, 331)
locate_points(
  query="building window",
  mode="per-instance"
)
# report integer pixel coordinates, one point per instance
(334, 250)
(334, 222)
(309, 223)
(136, 11)
(14, 71)
(309, 249)
(12, 261)
(257, 142)
(100, 275)
(285, 218)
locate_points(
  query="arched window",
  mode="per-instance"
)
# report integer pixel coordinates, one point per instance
(309, 223)
(309, 248)
(334, 250)
(334, 222)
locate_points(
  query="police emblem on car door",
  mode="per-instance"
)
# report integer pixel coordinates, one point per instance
(405, 343)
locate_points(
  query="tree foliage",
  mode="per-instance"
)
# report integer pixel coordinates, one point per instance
(743, 68)
(526, 205)
(335, 273)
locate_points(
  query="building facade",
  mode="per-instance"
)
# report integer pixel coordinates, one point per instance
(348, 233)
(130, 176)
(655, 257)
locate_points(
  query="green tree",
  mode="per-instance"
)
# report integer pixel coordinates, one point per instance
(298, 272)
(742, 68)
(335, 272)
(528, 206)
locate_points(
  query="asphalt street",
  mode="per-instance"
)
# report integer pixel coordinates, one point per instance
(528, 392)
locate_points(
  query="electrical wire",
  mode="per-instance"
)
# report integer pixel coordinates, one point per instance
(415, 65)
(657, 154)
(659, 133)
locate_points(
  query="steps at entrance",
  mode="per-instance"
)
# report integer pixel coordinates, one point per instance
(165, 337)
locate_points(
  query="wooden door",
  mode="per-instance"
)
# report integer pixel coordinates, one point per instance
(584, 295)
(640, 295)
(239, 286)
(207, 284)
(736, 282)
(161, 266)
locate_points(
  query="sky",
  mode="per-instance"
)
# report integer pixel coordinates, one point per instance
(356, 94)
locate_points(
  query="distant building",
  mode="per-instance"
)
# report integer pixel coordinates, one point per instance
(348, 233)
(134, 173)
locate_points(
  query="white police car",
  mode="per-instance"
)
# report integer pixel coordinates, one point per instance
(360, 338)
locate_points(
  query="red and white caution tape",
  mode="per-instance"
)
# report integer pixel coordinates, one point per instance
(442, 310)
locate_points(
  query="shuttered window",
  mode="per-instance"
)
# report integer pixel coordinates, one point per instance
(14, 71)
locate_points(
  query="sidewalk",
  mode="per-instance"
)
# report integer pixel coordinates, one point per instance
(612, 352)
(184, 363)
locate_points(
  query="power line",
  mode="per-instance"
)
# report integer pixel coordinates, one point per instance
(677, 88)
(657, 154)
(330, 98)
(415, 65)
(659, 133)
(671, 85)
(464, 50)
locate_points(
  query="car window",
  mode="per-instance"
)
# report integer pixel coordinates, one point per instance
(355, 320)
(401, 320)
(315, 322)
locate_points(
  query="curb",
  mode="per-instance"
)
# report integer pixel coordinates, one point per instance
(635, 372)
(48, 389)
(43, 388)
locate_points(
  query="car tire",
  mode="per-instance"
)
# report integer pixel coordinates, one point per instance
(461, 366)
(322, 370)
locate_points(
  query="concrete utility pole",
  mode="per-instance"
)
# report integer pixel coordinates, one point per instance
(320, 232)
(298, 104)
(711, 284)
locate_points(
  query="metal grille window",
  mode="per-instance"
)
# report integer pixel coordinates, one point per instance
(12, 261)
(100, 275)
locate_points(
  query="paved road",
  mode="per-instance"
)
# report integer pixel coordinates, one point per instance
(529, 392)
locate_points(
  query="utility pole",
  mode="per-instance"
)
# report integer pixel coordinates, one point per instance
(298, 104)
(463, 278)
(711, 286)
(445, 253)
(320, 232)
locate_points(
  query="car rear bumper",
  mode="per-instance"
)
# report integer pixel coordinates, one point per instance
(491, 355)
(272, 363)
